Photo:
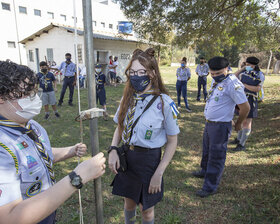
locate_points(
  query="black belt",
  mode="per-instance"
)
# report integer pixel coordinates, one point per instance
(141, 149)
(68, 77)
(217, 121)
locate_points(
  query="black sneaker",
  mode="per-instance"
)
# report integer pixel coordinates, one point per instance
(71, 104)
(47, 116)
(199, 174)
(188, 109)
(57, 114)
(239, 147)
(235, 142)
(197, 99)
(204, 194)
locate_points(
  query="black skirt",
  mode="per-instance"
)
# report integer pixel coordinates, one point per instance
(254, 107)
(134, 183)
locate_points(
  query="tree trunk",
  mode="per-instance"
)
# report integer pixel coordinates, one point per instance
(276, 69)
(158, 54)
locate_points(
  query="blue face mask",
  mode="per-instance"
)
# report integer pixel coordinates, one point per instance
(139, 83)
(219, 78)
(183, 65)
(249, 68)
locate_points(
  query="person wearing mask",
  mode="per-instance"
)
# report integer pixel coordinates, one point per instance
(29, 192)
(68, 69)
(252, 78)
(183, 76)
(226, 91)
(202, 70)
(47, 83)
(147, 120)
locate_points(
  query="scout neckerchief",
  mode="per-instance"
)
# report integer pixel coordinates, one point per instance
(31, 133)
(202, 69)
(130, 115)
(45, 80)
(214, 86)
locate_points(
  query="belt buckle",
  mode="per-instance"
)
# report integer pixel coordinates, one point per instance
(131, 147)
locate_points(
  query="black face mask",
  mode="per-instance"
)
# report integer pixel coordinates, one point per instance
(201, 62)
(44, 70)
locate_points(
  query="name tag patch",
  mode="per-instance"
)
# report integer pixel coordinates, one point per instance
(148, 134)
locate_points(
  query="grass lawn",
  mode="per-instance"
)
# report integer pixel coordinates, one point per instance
(250, 188)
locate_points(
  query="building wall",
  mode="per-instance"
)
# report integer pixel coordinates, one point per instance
(62, 42)
(29, 23)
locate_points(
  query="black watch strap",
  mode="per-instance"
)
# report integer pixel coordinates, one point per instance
(73, 175)
(112, 148)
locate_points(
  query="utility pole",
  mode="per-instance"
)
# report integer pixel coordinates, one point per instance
(89, 56)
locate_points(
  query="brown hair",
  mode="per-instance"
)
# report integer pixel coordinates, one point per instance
(147, 59)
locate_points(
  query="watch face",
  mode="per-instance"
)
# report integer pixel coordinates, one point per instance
(76, 181)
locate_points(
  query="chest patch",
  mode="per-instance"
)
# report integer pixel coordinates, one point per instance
(34, 189)
(148, 134)
(31, 162)
(220, 88)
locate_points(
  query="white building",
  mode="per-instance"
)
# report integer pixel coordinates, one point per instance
(22, 18)
(53, 41)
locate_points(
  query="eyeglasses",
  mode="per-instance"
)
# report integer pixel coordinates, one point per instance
(140, 72)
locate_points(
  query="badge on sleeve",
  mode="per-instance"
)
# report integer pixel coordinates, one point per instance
(175, 111)
(148, 134)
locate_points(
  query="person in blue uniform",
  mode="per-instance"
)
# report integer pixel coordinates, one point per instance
(202, 70)
(100, 89)
(142, 182)
(226, 91)
(47, 83)
(252, 78)
(68, 69)
(28, 189)
(183, 76)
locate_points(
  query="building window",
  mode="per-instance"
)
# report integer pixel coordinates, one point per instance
(22, 10)
(50, 54)
(111, 26)
(51, 15)
(93, 23)
(80, 53)
(11, 44)
(63, 17)
(103, 24)
(31, 55)
(37, 12)
(6, 6)
(76, 19)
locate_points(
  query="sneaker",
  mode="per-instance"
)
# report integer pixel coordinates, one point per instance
(197, 99)
(179, 107)
(199, 174)
(47, 116)
(188, 109)
(239, 147)
(57, 114)
(234, 142)
(59, 104)
(204, 194)
(71, 104)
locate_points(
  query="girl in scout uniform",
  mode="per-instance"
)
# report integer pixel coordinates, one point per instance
(142, 182)
(252, 78)
(183, 75)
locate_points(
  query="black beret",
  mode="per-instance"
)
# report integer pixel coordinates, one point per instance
(252, 60)
(218, 63)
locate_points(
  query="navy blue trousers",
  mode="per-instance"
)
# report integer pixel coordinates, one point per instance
(181, 87)
(49, 220)
(67, 82)
(101, 96)
(202, 81)
(215, 140)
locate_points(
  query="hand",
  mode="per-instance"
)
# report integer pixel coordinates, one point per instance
(238, 126)
(114, 161)
(74, 83)
(155, 184)
(91, 168)
(79, 150)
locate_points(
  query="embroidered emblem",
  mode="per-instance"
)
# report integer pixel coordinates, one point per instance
(31, 162)
(34, 189)
(24, 144)
(174, 109)
(216, 98)
(20, 146)
(237, 87)
(148, 134)
(159, 106)
(220, 88)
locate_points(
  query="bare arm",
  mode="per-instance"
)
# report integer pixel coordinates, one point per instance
(244, 109)
(253, 88)
(64, 153)
(35, 209)
(239, 71)
(114, 161)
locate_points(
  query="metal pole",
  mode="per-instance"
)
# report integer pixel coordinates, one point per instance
(15, 12)
(89, 56)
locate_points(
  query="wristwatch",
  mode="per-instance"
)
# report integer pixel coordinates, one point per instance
(75, 180)
(112, 148)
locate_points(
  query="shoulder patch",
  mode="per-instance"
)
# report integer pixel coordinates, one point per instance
(175, 111)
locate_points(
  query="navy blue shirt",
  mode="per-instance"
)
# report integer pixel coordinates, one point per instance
(46, 81)
(100, 80)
